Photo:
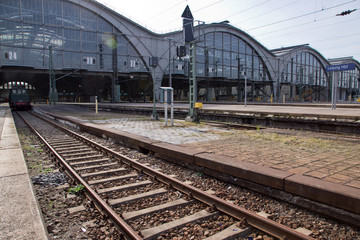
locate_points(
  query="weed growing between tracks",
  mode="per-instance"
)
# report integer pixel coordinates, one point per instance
(54, 201)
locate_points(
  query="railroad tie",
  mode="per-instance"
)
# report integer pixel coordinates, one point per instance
(169, 205)
(113, 179)
(125, 187)
(152, 233)
(106, 172)
(230, 233)
(132, 198)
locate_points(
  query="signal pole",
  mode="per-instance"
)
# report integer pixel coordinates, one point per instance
(53, 95)
(193, 114)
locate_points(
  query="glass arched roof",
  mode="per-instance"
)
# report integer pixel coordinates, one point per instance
(80, 38)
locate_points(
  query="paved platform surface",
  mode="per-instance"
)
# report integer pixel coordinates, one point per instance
(20, 215)
(322, 156)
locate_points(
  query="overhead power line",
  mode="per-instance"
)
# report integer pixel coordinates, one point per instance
(303, 15)
(198, 10)
(166, 10)
(247, 9)
(267, 12)
(305, 30)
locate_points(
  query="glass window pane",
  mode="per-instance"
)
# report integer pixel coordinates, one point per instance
(242, 46)
(234, 43)
(11, 33)
(104, 26)
(32, 10)
(218, 41)
(53, 36)
(72, 60)
(33, 36)
(89, 41)
(88, 20)
(209, 39)
(71, 15)
(53, 12)
(227, 43)
(71, 39)
(200, 55)
(10, 9)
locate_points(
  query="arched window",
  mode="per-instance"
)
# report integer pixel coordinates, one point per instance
(80, 38)
(226, 55)
(304, 69)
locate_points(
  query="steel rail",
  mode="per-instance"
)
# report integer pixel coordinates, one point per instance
(129, 232)
(271, 227)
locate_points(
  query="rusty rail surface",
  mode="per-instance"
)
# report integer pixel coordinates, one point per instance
(271, 227)
(91, 192)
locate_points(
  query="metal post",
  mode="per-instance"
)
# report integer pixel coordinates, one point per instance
(96, 105)
(115, 70)
(53, 97)
(334, 90)
(170, 77)
(245, 100)
(154, 115)
(172, 107)
(166, 106)
(51, 75)
(239, 82)
(192, 85)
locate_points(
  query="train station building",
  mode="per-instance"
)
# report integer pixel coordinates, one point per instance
(90, 50)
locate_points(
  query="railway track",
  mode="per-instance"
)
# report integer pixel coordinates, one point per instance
(143, 202)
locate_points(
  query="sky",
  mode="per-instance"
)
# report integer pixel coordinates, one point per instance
(273, 23)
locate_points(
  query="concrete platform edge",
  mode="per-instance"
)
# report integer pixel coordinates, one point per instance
(332, 194)
(21, 215)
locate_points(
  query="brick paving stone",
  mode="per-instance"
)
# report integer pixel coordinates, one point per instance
(240, 158)
(342, 177)
(293, 165)
(353, 171)
(338, 166)
(274, 161)
(328, 171)
(300, 161)
(354, 183)
(300, 170)
(281, 166)
(353, 161)
(318, 163)
(316, 174)
(335, 180)
(324, 155)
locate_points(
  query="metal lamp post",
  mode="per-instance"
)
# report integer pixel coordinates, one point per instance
(245, 99)
(153, 63)
(170, 74)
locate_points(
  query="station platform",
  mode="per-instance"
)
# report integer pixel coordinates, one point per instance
(321, 167)
(321, 111)
(20, 214)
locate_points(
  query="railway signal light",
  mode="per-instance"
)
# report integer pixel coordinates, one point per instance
(181, 51)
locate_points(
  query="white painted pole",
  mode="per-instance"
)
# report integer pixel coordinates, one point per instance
(172, 107)
(96, 105)
(166, 110)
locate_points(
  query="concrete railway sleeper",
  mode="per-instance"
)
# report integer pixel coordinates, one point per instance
(119, 184)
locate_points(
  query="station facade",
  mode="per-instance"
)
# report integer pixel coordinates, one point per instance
(94, 51)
